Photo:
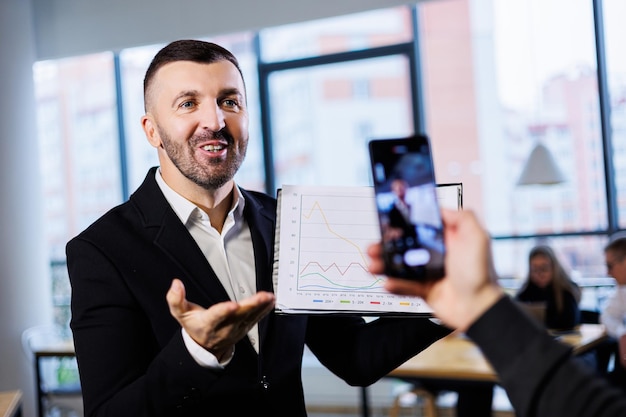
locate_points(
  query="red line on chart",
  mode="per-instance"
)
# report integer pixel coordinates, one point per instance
(334, 265)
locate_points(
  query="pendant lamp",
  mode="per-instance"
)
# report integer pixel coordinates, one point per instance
(541, 168)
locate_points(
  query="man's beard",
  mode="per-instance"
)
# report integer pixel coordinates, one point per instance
(217, 172)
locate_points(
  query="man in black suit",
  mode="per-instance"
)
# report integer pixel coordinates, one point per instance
(400, 223)
(172, 297)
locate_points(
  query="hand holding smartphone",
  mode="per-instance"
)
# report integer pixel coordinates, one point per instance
(408, 211)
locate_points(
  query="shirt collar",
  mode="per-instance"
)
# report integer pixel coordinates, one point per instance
(184, 208)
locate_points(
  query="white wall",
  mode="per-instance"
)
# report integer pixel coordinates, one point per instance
(73, 27)
(25, 294)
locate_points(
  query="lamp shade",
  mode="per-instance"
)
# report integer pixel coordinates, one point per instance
(541, 168)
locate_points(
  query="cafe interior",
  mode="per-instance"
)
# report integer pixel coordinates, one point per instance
(524, 105)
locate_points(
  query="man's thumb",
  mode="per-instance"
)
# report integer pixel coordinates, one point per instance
(176, 298)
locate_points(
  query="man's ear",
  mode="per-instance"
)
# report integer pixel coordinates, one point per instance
(149, 128)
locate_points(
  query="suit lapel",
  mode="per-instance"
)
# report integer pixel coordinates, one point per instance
(173, 238)
(262, 222)
(178, 244)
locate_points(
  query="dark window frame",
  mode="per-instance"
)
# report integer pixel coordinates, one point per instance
(412, 51)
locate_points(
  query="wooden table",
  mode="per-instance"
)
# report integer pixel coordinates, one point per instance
(453, 357)
(457, 357)
(11, 403)
(584, 338)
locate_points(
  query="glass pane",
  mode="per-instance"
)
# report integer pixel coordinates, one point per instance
(615, 32)
(338, 34)
(141, 155)
(582, 257)
(499, 78)
(79, 144)
(323, 117)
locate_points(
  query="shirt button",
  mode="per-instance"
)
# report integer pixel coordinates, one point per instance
(265, 384)
(242, 290)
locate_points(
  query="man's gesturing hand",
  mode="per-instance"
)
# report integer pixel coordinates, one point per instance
(222, 325)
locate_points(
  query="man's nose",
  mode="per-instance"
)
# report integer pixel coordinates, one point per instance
(212, 118)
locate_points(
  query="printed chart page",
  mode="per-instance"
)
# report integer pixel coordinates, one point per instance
(321, 257)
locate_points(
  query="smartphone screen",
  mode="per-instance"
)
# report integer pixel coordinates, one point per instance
(408, 211)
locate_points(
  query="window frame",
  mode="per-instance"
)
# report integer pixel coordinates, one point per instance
(412, 51)
(265, 69)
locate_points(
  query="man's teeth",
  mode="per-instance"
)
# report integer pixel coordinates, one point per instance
(213, 148)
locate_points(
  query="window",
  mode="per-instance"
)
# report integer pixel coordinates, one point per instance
(498, 89)
(140, 155)
(359, 31)
(79, 154)
(486, 81)
(334, 84)
(79, 143)
(319, 117)
(495, 87)
(614, 14)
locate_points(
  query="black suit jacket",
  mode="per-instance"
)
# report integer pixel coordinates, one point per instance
(397, 220)
(131, 355)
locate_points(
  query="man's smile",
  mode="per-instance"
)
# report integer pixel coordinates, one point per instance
(213, 148)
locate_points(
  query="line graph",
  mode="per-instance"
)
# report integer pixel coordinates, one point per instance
(320, 253)
(334, 233)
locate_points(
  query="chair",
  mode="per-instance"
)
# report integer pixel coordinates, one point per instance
(56, 372)
(605, 351)
(590, 316)
(427, 399)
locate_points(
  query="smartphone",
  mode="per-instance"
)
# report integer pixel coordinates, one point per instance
(408, 211)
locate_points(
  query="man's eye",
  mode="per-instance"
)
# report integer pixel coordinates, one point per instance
(230, 103)
(187, 104)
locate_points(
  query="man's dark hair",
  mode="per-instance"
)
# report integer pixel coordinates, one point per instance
(187, 50)
(617, 247)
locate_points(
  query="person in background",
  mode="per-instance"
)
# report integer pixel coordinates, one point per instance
(172, 294)
(539, 374)
(613, 316)
(547, 282)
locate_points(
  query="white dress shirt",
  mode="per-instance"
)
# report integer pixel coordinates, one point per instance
(230, 254)
(614, 314)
